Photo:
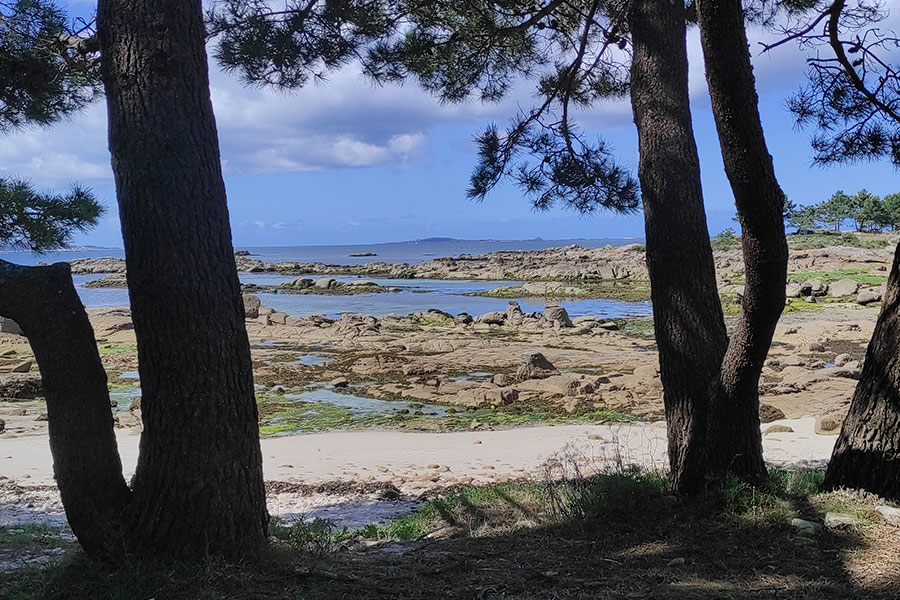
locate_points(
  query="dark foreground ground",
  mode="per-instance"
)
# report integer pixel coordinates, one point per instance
(615, 536)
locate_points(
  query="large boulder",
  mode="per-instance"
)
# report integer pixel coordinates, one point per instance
(9, 326)
(813, 287)
(843, 288)
(768, 413)
(535, 366)
(301, 282)
(869, 295)
(251, 306)
(557, 314)
(514, 314)
(325, 283)
(477, 397)
(491, 318)
(463, 319)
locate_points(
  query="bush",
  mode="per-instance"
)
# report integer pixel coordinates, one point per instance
(726, 240)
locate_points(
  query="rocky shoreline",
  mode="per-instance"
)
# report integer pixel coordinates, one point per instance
(817, 275)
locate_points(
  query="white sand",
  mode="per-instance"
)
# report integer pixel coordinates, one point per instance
(387, 455)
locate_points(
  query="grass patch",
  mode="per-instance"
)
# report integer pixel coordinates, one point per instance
(112, 349)
(626, 290)
(32, 536)
(773, 504)
(861, 276)
(641, 328)
(813, 241)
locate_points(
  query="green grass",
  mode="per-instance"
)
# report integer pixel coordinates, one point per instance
(628, 290)
(279, 416)
(772, 504)
(861, 276)
(32, 536)
(112, 349)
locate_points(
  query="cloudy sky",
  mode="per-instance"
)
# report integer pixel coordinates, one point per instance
(348, 162)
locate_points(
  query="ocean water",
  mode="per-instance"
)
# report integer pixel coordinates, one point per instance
(416, 294)
(412, 252)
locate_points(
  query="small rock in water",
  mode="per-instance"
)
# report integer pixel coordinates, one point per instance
(594, 436)
(340, 382)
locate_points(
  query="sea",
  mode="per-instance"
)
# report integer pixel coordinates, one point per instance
(415, 294)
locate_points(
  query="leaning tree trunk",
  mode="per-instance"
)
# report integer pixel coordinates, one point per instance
(735, 444)
(867, 453)
(86, 464)
(198, 485)
(687, 313)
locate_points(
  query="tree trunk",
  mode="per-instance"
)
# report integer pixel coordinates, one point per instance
(687, 313)
(867, 453)
(198, 485)
(735, 443)
(86, 464)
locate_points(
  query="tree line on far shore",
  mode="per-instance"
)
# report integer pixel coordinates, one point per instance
(864, 210)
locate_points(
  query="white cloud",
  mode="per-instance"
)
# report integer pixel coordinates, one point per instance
(346, 123)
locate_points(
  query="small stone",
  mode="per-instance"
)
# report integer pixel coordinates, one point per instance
(778, 429)
(434, 466)
(340, 382)
(609, 326)
(833, 520)
(827, 425)
(889, 514)
(804, 526)
(23, 367)
(842, 359)
(768, 413)
(594, 436)
(488, 467)
(676, 562)
(477, 442)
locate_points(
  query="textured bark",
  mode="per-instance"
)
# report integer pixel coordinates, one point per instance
(86, 464)
(687, 314)
(867, 453)
(735, 443)
(198, 485)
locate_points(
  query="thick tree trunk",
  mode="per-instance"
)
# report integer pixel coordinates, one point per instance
(687, 313)
(86, 464)
(735, 443)
(198, 485)
(867, 453)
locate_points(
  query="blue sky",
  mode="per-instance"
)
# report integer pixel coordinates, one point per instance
(347, 162)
